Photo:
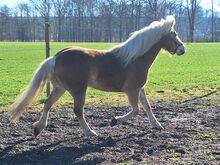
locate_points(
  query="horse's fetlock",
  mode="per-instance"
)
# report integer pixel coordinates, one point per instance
(78, 112)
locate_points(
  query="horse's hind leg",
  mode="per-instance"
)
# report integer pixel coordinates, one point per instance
(54, 96)
(145, 102)
(133, 97)
(79, 100)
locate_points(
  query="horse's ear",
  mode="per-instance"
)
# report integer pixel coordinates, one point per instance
(171, 21)
(173, 24)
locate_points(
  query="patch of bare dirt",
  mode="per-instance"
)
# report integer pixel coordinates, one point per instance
(191, 136)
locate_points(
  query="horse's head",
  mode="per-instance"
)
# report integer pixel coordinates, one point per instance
(173, 44)
(171, 41)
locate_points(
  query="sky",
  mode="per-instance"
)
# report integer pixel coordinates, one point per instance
(11, 3)
(206, 4)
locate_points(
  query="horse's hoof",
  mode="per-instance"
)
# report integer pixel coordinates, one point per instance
(36, 131)
(158, 127)
(113, 122)
(91, 133)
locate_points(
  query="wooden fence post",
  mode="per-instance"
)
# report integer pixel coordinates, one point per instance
(47, 42)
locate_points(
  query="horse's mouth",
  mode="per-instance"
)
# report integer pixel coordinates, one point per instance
(181, 49)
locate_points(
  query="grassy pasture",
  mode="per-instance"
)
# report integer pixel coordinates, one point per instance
(196, 72)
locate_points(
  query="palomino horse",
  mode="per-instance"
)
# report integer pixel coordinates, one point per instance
(123, 68)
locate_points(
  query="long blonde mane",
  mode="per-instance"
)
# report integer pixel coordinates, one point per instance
(142, 40)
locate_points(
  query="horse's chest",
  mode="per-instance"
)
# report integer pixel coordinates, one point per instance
(135, 80)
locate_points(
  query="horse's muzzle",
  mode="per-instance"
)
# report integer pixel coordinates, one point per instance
(180, 50)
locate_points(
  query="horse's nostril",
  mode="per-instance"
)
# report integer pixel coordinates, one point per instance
(182, 52)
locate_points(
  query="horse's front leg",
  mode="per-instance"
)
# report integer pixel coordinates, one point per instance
(145, 102)
(133, 97)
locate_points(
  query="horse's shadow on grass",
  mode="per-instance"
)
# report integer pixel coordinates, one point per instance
(55, 153)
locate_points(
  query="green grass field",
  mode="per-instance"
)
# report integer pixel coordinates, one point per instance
(196, 72)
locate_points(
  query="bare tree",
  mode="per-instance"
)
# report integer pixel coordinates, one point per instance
(121, 14)
(100, 20)
(155, 7)
(179, 10)
(192, 6)
(60, 11)
(92, 6)
(107, 17)
(212, 21)
(79, 14)
(138, 10)
(23, 15)
(4, 22)
(44, 8)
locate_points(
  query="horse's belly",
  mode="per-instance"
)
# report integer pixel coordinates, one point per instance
(104, 85)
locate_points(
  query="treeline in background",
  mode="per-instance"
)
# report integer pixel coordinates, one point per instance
(104, 20)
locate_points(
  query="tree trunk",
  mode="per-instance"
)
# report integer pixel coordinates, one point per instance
(59, 28)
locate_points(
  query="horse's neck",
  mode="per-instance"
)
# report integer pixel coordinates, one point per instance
(151, 55)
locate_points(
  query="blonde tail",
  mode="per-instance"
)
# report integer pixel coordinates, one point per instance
(29, 95)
